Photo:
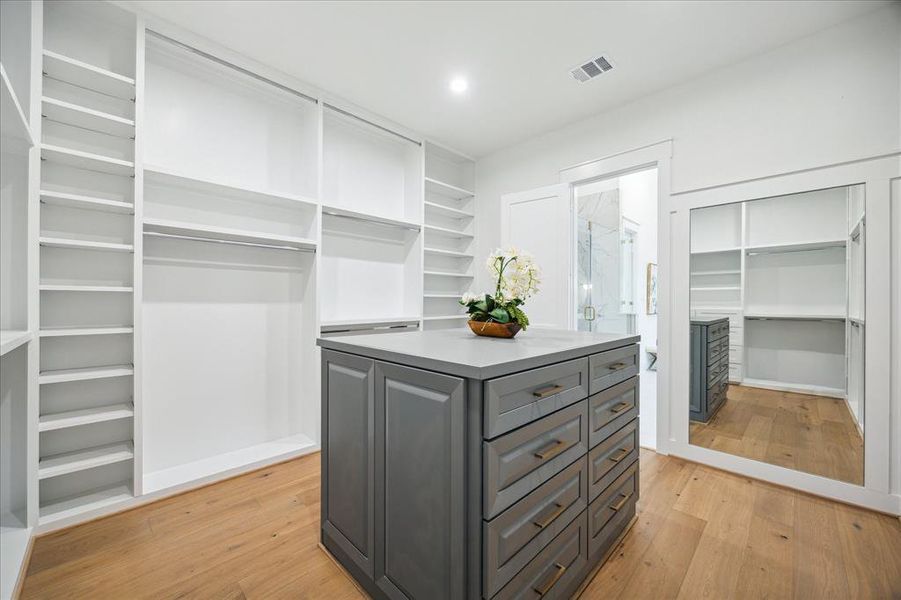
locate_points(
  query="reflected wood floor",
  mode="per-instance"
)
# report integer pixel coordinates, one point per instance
(807, 433)
(699, 533)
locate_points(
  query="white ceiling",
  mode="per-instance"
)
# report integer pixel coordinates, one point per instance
(396, 58)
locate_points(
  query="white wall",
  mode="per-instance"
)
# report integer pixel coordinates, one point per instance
(831, 97)
(827, 98)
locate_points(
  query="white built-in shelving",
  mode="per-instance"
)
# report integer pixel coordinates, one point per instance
(449, 229)
(17, 317)
(779, 268)
(180, 275)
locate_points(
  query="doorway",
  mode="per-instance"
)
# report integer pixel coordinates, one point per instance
(615, 259)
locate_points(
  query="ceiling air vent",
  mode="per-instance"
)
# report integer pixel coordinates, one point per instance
(591, 69)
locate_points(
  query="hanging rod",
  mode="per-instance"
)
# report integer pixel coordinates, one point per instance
(370, 123)
(230, 65)
(374, 221)
(790, 251)
(195, 238)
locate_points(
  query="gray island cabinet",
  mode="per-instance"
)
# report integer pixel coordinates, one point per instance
(455, 466)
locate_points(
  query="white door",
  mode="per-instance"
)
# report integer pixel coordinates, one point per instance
(539, 222)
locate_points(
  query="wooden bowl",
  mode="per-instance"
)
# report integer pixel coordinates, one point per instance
(493, 329)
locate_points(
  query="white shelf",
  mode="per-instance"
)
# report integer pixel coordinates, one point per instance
(86, 502)
(116, 289)
(452, 253)
(86, 202)
(448, 274)
(87, 160)
(448, 232)
(82, 331)
(717, 250)
(84, 374)
(10, 339)
(794, 316)
(166, 176)
(225, 234)
(14, 540)
(445, 189)
(76, 418)
(448, 211)
(442, 295)
(82, 74)
(369, 322)
(13, 124)
(716, 288)
(54, 242)
(335, 211)
(720, 272)
(795, 247)
(224, 464)
(82, 460)
(446, 317)
(86, 118)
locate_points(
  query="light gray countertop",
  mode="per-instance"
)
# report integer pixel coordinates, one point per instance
(460, 352)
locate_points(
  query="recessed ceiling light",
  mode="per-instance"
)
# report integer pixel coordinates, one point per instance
(458, 85)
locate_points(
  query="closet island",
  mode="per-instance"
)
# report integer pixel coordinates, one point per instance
(456, 466)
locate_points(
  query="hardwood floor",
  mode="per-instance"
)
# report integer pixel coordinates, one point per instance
(808, 433)
(700, 533)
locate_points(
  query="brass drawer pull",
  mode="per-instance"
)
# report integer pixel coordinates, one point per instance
(622, 502)
(617, 366)
(620, 407)
(548, 391)
(544, 589)
(550, 518)
(623, 453)
(550, 450)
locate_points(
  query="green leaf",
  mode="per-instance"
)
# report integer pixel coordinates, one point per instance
(500, 315)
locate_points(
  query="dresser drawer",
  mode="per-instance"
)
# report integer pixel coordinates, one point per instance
(609, 410)
(612, 511)
(518, 534)
(553, 573)
(718, 330)
(518, 399)
(611, 367)
(610, 459)
(520, 461)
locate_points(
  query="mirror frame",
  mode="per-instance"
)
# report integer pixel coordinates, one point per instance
(877, 175)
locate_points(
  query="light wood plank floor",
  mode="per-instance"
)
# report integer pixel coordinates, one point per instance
(807, 433)
(700, 533)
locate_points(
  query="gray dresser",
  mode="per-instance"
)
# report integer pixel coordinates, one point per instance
(462, 467)
(709, 366)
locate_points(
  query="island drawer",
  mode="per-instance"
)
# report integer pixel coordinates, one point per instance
(518, 534)
(611, 367)
(612, 511)
(518, 399)
(520, 461)
(609, 410)
(554, 572)
(611, 458)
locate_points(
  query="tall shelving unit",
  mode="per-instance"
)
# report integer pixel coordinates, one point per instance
(780, 269)
(18, 350)
(449, 236)
(371, 226)
(178, 226)
(87, 259)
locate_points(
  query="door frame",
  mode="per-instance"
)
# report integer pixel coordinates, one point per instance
(658, 155)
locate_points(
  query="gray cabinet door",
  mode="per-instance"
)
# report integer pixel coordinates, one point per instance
(348, 500)
(420, 483)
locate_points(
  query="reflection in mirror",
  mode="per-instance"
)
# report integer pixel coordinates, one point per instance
(777, 331)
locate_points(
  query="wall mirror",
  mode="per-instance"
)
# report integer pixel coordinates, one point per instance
(777, 330)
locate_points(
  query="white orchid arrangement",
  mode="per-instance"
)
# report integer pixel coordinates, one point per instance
(517, 279)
